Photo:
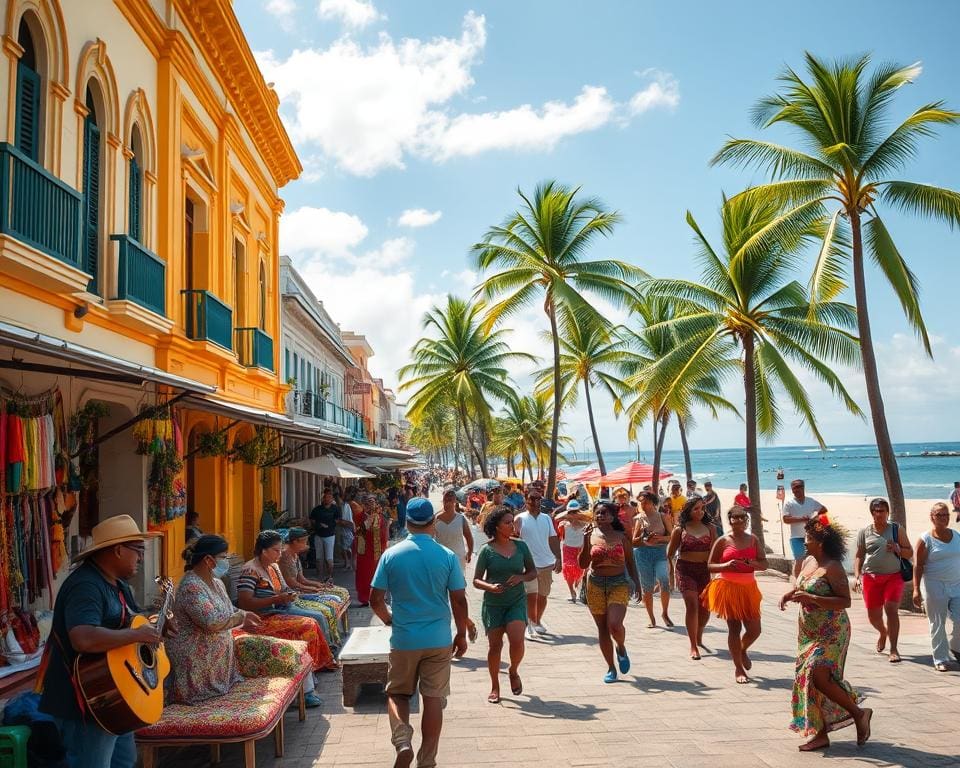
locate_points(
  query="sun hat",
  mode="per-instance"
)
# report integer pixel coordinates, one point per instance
(573, 504)
(420, 511)
(118, 529)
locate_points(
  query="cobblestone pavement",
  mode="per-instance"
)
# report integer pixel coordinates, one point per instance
(669, 711)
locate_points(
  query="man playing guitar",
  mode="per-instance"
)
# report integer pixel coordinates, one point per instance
(92, 615)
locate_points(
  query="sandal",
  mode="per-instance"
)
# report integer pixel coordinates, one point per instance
(516, 688)
(941, 667)
(666, 621)
(862, 739)
(894, 658)
(810, 746)
(652, 625)
(493, 698)
(472, 633)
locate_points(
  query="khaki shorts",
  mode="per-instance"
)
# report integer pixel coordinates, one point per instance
(429, 666)
(542, 584)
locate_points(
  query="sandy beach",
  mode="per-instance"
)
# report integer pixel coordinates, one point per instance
(847, 509)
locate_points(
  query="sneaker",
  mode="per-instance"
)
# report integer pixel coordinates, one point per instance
(531, 633)
(623, 662)
(404, 755)
(610, 677)
(312, 701)
(540, 629)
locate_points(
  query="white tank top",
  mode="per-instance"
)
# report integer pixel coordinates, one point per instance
(451, 535)
(536, 533)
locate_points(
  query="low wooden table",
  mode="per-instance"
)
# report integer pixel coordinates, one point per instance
(363, 660)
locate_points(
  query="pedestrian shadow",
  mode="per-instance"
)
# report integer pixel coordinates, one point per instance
(884, 754)
(773, 657)
(772, 683)
(547, 709)
(663, 685)
(471, 663)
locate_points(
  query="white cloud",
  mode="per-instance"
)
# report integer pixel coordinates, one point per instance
(391, 253)
(282, 11)
(354, 14)
(320, 231)
(418, 217)
(371, 108)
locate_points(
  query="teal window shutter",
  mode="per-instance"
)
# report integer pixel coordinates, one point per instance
(91, 198)
(28, 111)
(136, 197)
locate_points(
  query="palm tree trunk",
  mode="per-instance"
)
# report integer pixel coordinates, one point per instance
(555, 434)
(471, 443)
(658, 449)
(686, 449)
(593, 426)
(888, 458)
(750, 407)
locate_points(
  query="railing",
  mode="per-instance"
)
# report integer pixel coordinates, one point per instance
(318, 407)
(141, 275)
(38, 209)
(208, 318)
(254, 348)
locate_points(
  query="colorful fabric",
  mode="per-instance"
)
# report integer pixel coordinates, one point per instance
(604, 591)
(572, 572)
(259, 656)
(733, 596)
(691, 576)
(201, 653)
(823, 640)
(302, 628)
(253, 706)
(370, 545)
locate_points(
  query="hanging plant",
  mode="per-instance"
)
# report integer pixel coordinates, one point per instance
(260, 450)
(210, 444)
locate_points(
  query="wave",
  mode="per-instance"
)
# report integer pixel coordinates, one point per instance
(817, 450)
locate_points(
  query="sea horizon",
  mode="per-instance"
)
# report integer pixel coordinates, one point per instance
(849, 469)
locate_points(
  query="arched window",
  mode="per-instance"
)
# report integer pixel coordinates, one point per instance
(91, 190)
(135, 187)
(262, 295)
(29, 96)
(239, 315)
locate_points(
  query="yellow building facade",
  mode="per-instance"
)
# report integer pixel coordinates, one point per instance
(141, 158)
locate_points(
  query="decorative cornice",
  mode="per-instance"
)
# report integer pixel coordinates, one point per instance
(60, 91)
(215, 29)
(12, 48)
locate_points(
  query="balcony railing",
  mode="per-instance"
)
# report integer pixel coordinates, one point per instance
(312, 404)
(254, 348)
(141, 275)
(208, 318)
(38, 209)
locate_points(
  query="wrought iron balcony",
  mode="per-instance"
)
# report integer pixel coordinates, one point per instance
(141, 275)
(208, 318)
(254, 348)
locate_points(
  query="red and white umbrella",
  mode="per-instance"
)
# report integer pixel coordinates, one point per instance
(585, 476)
(630, 473)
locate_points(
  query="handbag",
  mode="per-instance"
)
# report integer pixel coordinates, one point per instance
(906, 567)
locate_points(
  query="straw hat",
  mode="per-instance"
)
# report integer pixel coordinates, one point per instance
(112, 531)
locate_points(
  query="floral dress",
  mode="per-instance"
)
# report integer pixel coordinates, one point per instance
(328, 601)
(201, 653)
(823, 640)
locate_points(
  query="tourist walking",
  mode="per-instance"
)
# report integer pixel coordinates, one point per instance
(424, 580)
(651, 534)
(572, 522)
(537, 531)
(937, 573)
(711, 507)
(796, 512)
(822, 700)
(691, 542)
(607, 552)
(676, 499)
(453, 531)
(371, 544)
(347, 527)
(503, 565)
(876, 572)
(741, 499)
(324, 519)
(735, 596)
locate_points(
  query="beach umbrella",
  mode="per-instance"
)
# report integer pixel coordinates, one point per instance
(328, 466)
(585, 475)
(482, 484)
(561, 475)
(511, 480)
(630, 473)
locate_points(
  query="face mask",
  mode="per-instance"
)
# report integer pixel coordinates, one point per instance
(221, 568)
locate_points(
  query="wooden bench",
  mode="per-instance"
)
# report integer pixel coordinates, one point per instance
(363, 660)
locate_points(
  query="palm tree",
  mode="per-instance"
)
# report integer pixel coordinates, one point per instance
(465, 364)
(539, 251)
(746, 298)
(587, 353)
(841, 112)
(525, 429)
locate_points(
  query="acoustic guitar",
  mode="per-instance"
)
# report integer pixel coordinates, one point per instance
(123, 688)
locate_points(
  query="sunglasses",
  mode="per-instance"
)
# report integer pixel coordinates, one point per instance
(140, 550)
(738, 517)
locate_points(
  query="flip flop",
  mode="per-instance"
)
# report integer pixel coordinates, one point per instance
(894, 658)
(866, 736)
(747, 664)
(493, 698)
(667, 622)
(516, 689)
(742, 679)
(941, 667)
(652, 625)
(806, 748)
(695, 656)
(472, 633)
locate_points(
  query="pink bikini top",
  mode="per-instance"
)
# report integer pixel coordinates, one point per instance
(601, 555)
(732, 553)
(690, 543)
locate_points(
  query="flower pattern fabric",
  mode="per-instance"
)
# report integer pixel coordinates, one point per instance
(259, 656)
(289, 627)
(824, 637)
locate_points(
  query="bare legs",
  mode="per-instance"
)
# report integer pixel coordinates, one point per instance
(606, 643)
(825, 683)
(738, 645)
(514, 633)
(890, 629)
(664, 606)
(695, 620)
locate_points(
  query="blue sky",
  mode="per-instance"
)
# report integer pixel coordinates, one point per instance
(417, 121)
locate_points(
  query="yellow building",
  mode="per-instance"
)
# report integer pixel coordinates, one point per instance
(141, 157)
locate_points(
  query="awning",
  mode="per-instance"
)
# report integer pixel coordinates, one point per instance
(328, 466)
(253, 415)
(364, 449)
(124, 371)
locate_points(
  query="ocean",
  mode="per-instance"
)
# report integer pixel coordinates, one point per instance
(849, 469)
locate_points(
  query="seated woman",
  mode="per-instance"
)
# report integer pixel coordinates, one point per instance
(202, 664)
(325, 597)
(261, 588)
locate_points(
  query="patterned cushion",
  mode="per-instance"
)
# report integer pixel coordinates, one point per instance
(262, 656)
(251, 707)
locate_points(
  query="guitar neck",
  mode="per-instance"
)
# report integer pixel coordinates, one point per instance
(164, 607)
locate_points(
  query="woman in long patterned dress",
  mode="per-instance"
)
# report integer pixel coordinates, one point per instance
(202, 651)
(371, 543)
(822, 700)
(261, 588)
(325, 597)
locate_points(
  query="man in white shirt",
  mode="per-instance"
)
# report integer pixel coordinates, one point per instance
(955, 500)
(796, 512)
(538, 532)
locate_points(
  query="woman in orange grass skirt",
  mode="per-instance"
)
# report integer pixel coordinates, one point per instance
(735, 595)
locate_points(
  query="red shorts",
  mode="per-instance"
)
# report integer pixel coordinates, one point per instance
(880, 588)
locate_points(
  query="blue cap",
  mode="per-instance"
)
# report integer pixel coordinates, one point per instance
(573, 504)
(420, 511)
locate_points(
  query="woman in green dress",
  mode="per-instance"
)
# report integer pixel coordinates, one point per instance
(822, 700)
(502, 566)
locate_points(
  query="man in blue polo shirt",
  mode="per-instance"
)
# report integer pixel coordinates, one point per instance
(425, 580)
